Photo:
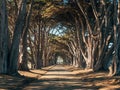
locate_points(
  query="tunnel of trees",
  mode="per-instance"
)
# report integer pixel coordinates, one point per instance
(34, 33)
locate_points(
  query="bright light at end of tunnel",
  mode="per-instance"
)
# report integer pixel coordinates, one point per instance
(59, 60)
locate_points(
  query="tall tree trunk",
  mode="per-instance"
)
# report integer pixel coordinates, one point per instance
(118, 41)
(14, 51)
(24, 63)
(4, 37)
(114, 68)
(39, 53)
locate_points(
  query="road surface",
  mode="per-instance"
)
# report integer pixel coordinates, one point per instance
(59, 77)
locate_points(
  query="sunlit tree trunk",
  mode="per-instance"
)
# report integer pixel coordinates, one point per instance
(95, 37)
(78, 41)
(24, 63)
(32, 49)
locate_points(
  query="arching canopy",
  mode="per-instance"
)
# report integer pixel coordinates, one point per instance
(84, 32)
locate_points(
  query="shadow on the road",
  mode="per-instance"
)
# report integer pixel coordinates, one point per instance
(67, 84)
(61, 84)
(8, 82)
(54, 83)
(62, 79)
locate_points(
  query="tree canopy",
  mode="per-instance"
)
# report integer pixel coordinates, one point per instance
(84, 32)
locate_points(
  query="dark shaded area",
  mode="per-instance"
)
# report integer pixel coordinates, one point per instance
(60, 78)
(64, 79)
(13, 83)
(58, 84)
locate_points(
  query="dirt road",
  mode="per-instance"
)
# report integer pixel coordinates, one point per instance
(62, 77)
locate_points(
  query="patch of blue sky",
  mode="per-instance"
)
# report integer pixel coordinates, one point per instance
(110, 45)
(65, 1)
(58, 30)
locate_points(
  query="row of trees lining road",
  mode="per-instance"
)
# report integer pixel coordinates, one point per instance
(10, 40)
(88, 34)
(98, 33)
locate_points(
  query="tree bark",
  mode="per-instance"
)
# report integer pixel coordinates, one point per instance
(115, 66)
(4, 37)
(24, 63)
(14, 51)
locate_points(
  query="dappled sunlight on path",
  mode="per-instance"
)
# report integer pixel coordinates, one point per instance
(35, 73)
(58, 72)
(62, 77)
